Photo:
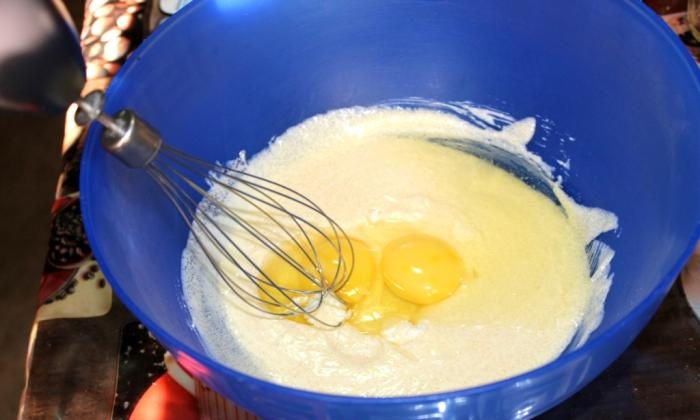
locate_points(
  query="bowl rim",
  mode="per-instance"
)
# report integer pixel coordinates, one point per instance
(651, 19)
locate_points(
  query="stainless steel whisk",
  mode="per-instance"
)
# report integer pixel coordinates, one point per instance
(266, 214)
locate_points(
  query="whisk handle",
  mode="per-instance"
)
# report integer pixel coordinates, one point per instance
(136, 144)
(126, 136)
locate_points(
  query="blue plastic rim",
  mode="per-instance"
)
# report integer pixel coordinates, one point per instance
(226, 75)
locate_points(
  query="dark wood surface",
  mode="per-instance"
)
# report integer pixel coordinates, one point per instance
(657, 377)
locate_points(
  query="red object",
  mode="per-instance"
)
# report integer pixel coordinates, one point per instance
(166, 399)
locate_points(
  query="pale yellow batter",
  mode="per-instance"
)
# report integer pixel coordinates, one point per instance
(522, 287)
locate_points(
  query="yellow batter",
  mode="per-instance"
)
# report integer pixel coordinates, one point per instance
(463, 274)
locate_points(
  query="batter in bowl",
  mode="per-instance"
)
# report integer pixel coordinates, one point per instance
(464, 274)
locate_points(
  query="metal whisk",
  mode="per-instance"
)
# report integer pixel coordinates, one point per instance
(266, 214)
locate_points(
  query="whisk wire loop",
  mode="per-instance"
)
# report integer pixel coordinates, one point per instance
(253, 231)
(187, 213)
(196, 225)
(237, 178)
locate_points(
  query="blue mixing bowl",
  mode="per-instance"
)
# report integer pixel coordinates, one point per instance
(223, 75)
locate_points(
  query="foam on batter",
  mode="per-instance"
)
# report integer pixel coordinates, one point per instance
(529, 289)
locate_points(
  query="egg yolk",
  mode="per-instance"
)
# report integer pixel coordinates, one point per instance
(284, 275)
(364, 270)
(421, 269)
(414, 270)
